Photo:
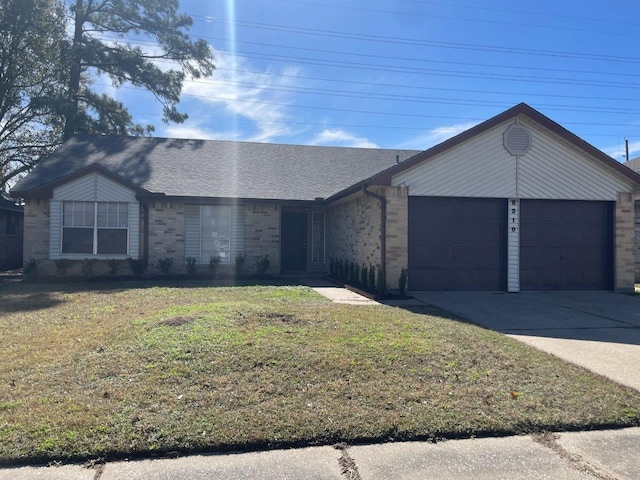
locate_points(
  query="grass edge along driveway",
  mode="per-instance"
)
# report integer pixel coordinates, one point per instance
(132, 369)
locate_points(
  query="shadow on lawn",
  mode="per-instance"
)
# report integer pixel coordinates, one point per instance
(28, 302)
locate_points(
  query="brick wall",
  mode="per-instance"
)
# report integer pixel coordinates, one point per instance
(36, 230)
(625, 243)
(353, 231)
(397, 233)
(166, 234)
(262, 236)
(637, 245)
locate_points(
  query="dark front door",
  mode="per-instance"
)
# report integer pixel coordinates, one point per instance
(457, 243)
(294, 241)
(566, 245)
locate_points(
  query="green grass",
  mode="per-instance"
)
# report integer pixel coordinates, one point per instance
(132, 369)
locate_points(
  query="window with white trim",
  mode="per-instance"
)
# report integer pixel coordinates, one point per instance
(215, 232)
(95, 228)
(317, 237)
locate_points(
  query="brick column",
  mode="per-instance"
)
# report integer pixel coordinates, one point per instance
(166, 233)
(262, 235)
(397, 233)
(624, 243)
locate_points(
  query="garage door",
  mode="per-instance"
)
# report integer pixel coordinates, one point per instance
(457, 243)
(566, 245)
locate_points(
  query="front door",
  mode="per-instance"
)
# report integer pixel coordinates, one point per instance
(294, 241)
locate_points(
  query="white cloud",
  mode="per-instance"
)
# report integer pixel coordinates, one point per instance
(436, 135)
(619, 152)
(259, 98)
(340, 138)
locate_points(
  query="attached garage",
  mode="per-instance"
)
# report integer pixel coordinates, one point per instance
(517, 203)
(566, 245)
(457, 243)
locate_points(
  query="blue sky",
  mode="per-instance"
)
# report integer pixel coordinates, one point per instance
(407, 73)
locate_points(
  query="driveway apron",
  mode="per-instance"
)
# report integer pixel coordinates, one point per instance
(599, 331)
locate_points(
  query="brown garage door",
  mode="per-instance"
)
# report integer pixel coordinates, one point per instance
(566, 245)
(457, 243)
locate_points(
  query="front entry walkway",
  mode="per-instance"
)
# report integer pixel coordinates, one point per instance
(337, 294)
(599, 331)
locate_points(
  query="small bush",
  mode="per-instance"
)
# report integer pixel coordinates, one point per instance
(30, 269)
(263, 264)
(164, 265)
(87, 267)
(240, 261)
(371, 284)
(214, 262)
(192, 266)
(62, 265)
(138, 267)
(402, 282)
(114, 266)
(381, 281)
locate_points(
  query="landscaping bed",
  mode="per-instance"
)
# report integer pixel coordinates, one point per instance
(130, 369)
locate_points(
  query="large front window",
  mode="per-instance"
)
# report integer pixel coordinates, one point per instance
(215, 232)
(96, 228)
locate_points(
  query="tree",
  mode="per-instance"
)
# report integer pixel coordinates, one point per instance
(48, 71)
(31, 32)
(100, 45)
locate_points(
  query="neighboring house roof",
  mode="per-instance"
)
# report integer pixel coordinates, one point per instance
(207, 168)
(384, 177)
(633, 164)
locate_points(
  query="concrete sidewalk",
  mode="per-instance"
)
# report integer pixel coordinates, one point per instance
(609, 455)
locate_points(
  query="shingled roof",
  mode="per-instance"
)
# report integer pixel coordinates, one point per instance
(213, 169)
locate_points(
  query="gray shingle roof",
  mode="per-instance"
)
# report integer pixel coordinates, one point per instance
(208, 168)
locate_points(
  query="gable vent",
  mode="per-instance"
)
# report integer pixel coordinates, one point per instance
(517, 140)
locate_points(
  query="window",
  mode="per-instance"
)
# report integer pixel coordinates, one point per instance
(97, 228)
(317, 237)
(215, 232)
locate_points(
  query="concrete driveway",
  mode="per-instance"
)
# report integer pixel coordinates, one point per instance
(597, 330)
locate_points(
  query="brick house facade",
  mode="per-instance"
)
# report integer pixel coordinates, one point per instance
(554, 213)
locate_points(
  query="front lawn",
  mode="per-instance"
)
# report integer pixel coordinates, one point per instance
(130, 369)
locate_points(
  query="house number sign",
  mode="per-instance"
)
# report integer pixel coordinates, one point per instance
(514, 215)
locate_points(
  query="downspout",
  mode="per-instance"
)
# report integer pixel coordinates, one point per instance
(383, 233)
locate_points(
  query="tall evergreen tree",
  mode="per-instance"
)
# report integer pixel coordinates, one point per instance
(52, 52)
(31, 33)
(102, 33)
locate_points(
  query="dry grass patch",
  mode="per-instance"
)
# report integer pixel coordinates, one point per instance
(131, 369)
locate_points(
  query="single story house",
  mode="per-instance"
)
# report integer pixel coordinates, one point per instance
(11, 239)
(514, 203)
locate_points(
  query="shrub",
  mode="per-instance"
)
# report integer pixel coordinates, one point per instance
(114, 266)
(164, 265)
(62, 265)
(240, 260)
(30, 269)
(364, 275)
(402, 282)
(371, 284)
(138, 267)
(263, 264)
(192, 266)
(381, 281)
(87, 266)
(214, 262)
